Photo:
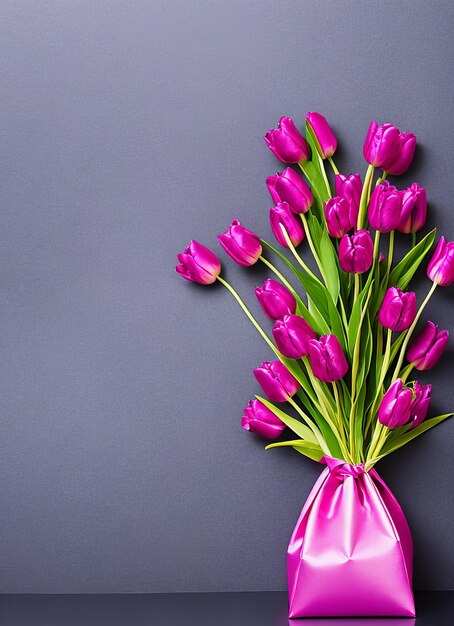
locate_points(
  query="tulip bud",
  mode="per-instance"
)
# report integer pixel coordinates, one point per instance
(199, 264)
(322, 130)
(282, 217)
(350, 188)
(275, 299)
(381, 146)
(276, 381)
(259, 419)
(394, 410)
(407, 145)
(327, 358)
(441, 265)
(428, 347)
(385, 208)
(286, 143)
(337, 215)
(420, 404)
(398, 309)
(241, 244)
(356, 253)
(292, 335)
(414, 209)
(289, 187)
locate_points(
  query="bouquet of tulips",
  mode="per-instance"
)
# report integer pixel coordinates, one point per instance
(344, 334)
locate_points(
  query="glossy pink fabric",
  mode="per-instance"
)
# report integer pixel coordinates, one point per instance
(351, 553)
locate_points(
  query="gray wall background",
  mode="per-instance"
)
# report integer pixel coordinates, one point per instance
(127, 128)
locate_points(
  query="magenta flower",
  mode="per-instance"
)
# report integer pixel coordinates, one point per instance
(275, 299)
(198, 264)
(292, 335)
(356, 252)
(407, 145)
(394, 410)
(398, 309)
(420, 404)
(325, 136)
(441, 265)
(241, 244)
(289, 187)
(385, 208)
(428, 347)
(287, 143)
(260, 420)
(327, 358)
(414, 209)
(350, 188)
(282, 217)
(276, 381)
(381, 146)
(337, 216)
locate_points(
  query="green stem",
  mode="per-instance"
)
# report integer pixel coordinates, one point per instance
(325, 177)
(356, 290)
(248, 313)
(311, 425)
(295, 253)
(277, 273)
(335, 170)
(413, 240)
(411, 329)
(390, 254)
(311, 245)
(365, 196)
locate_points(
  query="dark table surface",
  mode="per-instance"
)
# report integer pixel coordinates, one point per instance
(434, 608)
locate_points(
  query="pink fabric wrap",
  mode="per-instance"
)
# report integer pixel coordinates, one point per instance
(351, 552)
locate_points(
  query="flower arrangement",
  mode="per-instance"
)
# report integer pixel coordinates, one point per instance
(343, 335)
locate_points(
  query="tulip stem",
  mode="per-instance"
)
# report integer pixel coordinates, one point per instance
(277, 273)
(339, 413)
(356, 290)
(333, 165)
(325, 177)
(411, 329)
(383, 370)
(311, 245)
(311, 425)
(390, 255)
(295, 253)
(413, 239)
(365, 196)
(248, 313)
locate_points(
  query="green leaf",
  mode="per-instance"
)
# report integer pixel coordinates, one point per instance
(355, 317)
(298, 427)
(329, 262)
(413, 433)
(307, 448)
(405, 269)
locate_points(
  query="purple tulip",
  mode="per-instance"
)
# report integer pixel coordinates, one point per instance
(275, 299)
(337, 216)
(407, 145)
(398, 309)
(428, 347)
(282, 217)
(260, 420)
(356, 252)
(441, 265)
(287, 143)
(292, 335)
(385, 208)
(198, 264)
(241, 244)
(420, 404)
(322, 130)
(394, 410)
(414, 209)
(289, 187)
(381, 146)
(327, 358)
(276, 381)
(350, 188)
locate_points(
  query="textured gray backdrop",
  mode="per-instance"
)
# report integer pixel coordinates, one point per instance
(127, 128)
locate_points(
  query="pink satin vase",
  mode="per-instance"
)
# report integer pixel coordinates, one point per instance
(351, 553)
